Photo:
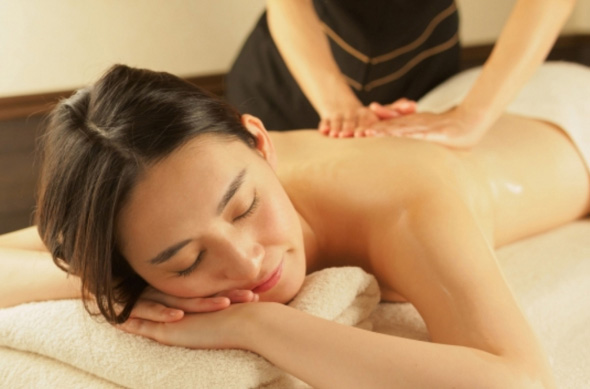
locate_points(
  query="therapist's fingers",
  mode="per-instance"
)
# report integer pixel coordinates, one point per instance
(403, 106)
(396, 109)
(335, 126)
(348, 126)
(383, 112)
(347, 123)
(324, 126)
(366, 119)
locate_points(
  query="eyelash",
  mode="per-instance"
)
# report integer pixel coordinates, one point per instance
(251, 209)
(187, 272)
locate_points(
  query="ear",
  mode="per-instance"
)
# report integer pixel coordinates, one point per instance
(263, 143)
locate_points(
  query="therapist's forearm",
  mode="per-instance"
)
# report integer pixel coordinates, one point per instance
(297, 32)
(525, 41)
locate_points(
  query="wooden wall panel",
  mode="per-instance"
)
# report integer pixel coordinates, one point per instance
(18, 172)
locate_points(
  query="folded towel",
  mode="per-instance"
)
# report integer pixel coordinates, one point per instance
(63, 334)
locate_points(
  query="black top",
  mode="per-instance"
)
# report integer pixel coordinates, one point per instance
(386, 49)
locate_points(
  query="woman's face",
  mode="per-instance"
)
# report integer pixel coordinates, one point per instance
(213, 217)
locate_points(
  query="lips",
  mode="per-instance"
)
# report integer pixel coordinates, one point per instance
(270, 281)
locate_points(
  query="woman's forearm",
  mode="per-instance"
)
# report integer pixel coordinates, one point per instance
(297, 32)
(330, 355)
(27, 276)
(525, 41)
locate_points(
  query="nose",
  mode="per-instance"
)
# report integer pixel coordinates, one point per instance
(243, 257)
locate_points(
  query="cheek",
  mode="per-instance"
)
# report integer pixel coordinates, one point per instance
(195, 285)
(277, 221)
(186, 287)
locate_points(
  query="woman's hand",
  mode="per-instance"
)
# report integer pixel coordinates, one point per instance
(353, 122)
(157, 306)
(212, 330)
(449, 128)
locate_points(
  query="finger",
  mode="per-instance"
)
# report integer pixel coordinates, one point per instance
(359, 132)
(431, 136)
(383, 112)
(146, 328)
(193, 305)
(348, 126)
(206, 304)
(154, 311)
(371, 132)
(324, 126)
(407, 130)
(335, 126)
(238, 295)
(403, 106)
(445, 139)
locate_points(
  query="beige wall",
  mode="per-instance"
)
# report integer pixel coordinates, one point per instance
(49, 45)
(482, 21)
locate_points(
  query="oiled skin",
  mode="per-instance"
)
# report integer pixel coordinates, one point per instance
(524, 178)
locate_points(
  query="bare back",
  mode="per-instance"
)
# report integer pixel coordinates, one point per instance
(523, 178)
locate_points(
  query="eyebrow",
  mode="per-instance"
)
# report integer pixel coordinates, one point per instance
(168, 253)
(231, 191)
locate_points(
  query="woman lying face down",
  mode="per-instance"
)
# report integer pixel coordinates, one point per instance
(171, 208)
(160, 180)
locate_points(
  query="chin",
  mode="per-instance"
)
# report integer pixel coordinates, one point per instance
(287, 288)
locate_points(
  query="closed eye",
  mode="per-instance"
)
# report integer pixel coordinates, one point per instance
(186, 272)
(255, 202)
(250, 209)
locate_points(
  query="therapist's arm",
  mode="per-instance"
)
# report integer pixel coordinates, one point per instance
(523, 45)
(298, 35)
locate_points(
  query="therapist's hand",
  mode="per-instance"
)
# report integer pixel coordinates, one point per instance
(346, 123)
(451, 128)
(353, 122)
(156, 306)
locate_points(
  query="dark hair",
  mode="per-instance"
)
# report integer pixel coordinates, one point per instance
(96, 145)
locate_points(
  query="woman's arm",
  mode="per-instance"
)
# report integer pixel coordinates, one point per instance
(434, 254)
(27, 272)
(297, 33)
(524, 43)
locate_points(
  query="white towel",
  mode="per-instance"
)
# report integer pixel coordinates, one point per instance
(60, 334)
